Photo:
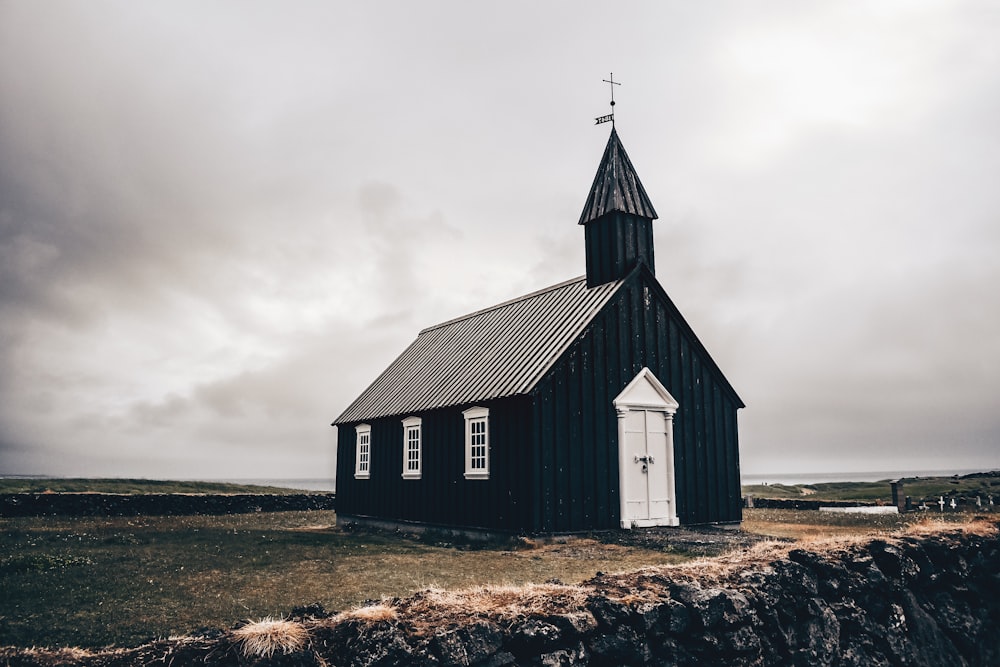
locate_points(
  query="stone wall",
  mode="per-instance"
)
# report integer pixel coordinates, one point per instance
(799, 504)
(115, 504)
(914, 600)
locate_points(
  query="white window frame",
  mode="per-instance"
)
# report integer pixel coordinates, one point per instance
(477, 415)
(363, 452)
(413, 443)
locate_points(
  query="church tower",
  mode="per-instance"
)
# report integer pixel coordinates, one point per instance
(617, 219)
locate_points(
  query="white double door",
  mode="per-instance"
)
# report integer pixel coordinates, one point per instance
(648, 496)
(646, 453)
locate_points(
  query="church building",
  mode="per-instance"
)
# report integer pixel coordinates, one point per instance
(587, 405)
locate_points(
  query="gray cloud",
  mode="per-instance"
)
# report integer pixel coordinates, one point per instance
(219, 224)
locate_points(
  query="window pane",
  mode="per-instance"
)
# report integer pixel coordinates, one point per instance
(364, 452)
(411, 460)
(477, 444)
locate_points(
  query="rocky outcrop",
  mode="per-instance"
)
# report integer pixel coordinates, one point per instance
(929, 599)
(157, 504)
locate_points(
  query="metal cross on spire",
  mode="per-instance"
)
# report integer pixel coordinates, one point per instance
(611, 116)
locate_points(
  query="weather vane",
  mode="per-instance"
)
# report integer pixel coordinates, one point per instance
(611, 116)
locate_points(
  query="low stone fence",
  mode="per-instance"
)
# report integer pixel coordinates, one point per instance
(796, 504)
(156, 504)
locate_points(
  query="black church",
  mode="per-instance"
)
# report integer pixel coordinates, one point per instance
(586, 405)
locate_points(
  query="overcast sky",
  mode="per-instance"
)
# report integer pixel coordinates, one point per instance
(220, 221)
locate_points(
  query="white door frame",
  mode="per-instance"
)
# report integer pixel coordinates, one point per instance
(645, 392)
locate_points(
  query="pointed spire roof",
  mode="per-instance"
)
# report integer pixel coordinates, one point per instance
(616, 186)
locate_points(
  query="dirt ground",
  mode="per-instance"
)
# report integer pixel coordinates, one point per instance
(692, 540)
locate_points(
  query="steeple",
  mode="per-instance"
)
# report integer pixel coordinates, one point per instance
(617, 218)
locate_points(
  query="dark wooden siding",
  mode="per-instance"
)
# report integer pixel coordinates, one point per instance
(615, 243)
(442, 496)
(576, 426)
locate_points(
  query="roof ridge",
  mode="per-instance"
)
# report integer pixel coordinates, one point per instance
(503, 304)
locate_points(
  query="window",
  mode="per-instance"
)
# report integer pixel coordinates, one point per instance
(477, 443)
(363, 452)
(411, 448)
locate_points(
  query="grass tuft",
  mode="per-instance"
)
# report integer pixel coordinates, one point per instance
(375, 613)
(269, 636)
(434, 608)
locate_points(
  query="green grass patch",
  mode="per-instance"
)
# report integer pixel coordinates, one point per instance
(92, 582)
(132, 486)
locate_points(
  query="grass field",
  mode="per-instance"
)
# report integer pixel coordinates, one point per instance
(929, 488)
(92, 582)
(99, 581)
(129, 486)
(812, 525)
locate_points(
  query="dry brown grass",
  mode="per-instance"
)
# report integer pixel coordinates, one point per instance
(810, 525)
(502, 604)
(375, 613)
(56, 656)
(652, 583)
(269, 636)
(718, 566)
(975, 525)
(818, 540)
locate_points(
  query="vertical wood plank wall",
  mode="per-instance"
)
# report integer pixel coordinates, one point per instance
(575, 422)
(442, 496)
(615, 243)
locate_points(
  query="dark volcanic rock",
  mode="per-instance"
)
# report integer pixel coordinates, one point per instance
(533, 636)
(468, 645)
(574, 625)
(622, 647)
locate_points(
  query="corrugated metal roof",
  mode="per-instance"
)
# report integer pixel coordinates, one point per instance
(500, 351)
(616, 186)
